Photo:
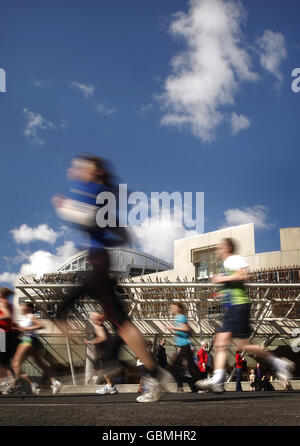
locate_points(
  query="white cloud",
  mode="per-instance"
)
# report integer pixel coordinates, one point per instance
(35, 124)
(157, 236)
(272, 51)
(26, 234)
(19, 258)
(40, 262)
(146, 108)
(8, 278)
(256, 214)
(208, 73)
(238, 123)
(86, 89)
(103, 110)
(42, 84)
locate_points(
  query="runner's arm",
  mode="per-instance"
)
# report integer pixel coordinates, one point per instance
(239, 276)
(6, 312)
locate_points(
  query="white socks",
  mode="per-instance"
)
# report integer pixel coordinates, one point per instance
(219, 376)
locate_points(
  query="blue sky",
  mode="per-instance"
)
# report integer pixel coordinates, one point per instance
(98, 76)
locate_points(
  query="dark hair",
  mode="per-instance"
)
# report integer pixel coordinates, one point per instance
(232, 245)
(180, 306)
(101, 164)
(5, 292)
(29, 305)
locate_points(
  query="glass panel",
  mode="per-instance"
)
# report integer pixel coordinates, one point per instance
(81, 264)
(75, 265)
(202, 270)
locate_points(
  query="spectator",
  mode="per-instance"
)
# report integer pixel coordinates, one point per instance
(259, 373)
(252, 380)
(287, 386)
(239, 365)
(183, 375)
(161, 354)
(202, 356)
(266, 385)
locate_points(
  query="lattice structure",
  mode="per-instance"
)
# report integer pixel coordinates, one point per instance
(275, 308)
(289, 274)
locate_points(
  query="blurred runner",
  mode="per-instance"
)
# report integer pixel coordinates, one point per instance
(90, 176)
(236, 321)
(10, 334)
(161, 354)
(183, 344)
(30, 345)
(107, 347)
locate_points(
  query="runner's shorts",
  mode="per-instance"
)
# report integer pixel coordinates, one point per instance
(32, 341)
(236, 321)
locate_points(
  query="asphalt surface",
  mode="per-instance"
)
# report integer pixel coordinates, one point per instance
(188, 409)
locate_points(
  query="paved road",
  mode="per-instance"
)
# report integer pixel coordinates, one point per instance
(228, 409)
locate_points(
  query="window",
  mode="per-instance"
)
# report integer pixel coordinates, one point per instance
(81, 264)
(201, 270)
(134, 271)
(206, 263)
(74, 265)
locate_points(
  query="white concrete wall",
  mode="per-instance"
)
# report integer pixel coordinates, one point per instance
(183, 266)
(244, 236)
(290, 239)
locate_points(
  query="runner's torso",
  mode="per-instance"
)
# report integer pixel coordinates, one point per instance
(6, 324)
(234, 292)
(181, 337)
(26, 322)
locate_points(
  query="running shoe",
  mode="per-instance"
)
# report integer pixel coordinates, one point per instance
(107, 390)
(34, 388)
(284, 369)
(13, 389)
(56, 386)
(211, 385)
(153, 390)
(165, 378)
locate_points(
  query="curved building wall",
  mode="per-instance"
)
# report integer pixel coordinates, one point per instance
(124, 262)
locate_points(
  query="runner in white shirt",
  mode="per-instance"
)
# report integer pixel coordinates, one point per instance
(236, 321)
(30, 346)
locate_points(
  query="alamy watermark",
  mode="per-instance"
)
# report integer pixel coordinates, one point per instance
(2, 81)
(176, 209)
(296, 82)
(2, 341)
(295, 344)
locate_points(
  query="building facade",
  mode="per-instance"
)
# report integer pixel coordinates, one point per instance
(150, 284)
(195, 258)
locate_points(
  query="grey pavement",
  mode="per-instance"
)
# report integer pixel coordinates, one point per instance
(188, 409)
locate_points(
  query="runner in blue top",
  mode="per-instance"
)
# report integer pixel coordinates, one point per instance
(183, 344)
(90, 176)
(181, 337)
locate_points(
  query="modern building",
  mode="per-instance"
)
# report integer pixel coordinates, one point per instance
(195, 258)
(48, 290)
(124, 263)
(149, 285)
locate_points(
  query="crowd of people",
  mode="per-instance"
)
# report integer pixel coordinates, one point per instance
(90, 176)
